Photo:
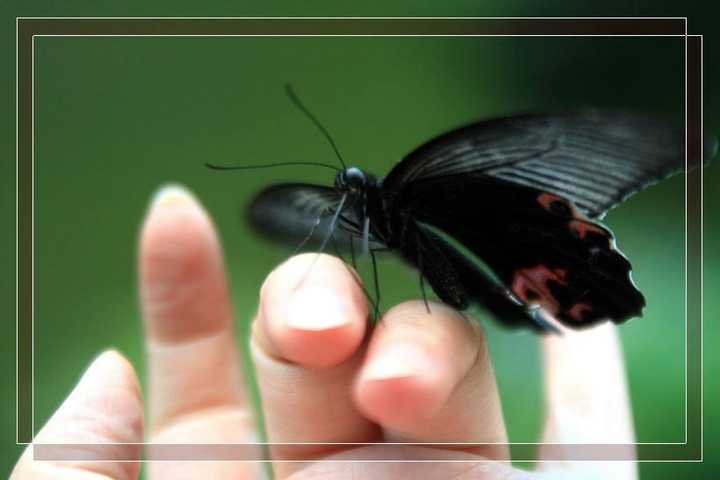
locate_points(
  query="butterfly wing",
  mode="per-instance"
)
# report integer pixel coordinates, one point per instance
(541, 248)
(299, 215)
(594, 159)
(523, 195)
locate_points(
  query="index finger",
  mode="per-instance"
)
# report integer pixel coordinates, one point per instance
(307, 345)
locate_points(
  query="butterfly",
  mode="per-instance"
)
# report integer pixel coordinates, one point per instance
(504, 213)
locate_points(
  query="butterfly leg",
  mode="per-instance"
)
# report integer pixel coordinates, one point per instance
(333, 223)
(354, 274)
(422, 283)
(377, 284)
(424, 293)
(352, 252)
(366, 236)
(328, 236)
(309, 235)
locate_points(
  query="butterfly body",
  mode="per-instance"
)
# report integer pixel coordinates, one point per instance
(522, 195)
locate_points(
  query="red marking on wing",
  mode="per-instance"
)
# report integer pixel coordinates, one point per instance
(546, 199)
(582, 227)
(535, 279)
(577, 311)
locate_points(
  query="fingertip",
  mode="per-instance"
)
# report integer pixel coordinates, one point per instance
(400, 383)
(182, 279)
(413, 364)
(175, 220)
(97, 429)
(110, 386)
(109, 368)
(312, 311)
(171, 204)
(319, 330)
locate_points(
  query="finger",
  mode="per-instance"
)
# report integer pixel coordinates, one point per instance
(196, 386)
(587, 402)
(312, 312)
(305, 343)
(104, 408)
(428, 377)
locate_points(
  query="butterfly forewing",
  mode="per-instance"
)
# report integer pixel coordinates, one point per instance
(595, 159)
(299, 214)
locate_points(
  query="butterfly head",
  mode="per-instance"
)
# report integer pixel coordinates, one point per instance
(351, 180)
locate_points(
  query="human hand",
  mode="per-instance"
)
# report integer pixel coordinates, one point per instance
(326, 379)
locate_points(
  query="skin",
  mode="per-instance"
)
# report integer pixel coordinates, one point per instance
(323, 378)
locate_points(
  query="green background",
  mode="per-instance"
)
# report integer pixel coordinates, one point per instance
(118, 117)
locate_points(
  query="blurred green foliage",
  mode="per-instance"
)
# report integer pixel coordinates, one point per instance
(118, 117)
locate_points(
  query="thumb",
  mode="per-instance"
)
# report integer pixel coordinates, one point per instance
(100, 420)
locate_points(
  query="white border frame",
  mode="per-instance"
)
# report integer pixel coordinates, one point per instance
(701, 181)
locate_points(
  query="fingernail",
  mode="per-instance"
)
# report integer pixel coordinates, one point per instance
(397, 360)
(316, 308)
(171, 195)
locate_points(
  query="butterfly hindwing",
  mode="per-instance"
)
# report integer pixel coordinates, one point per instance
(540, 246)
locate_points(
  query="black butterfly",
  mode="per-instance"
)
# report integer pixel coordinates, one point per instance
(523, 194)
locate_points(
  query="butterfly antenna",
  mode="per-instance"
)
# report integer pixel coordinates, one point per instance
(269, 165)
(296, 101)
